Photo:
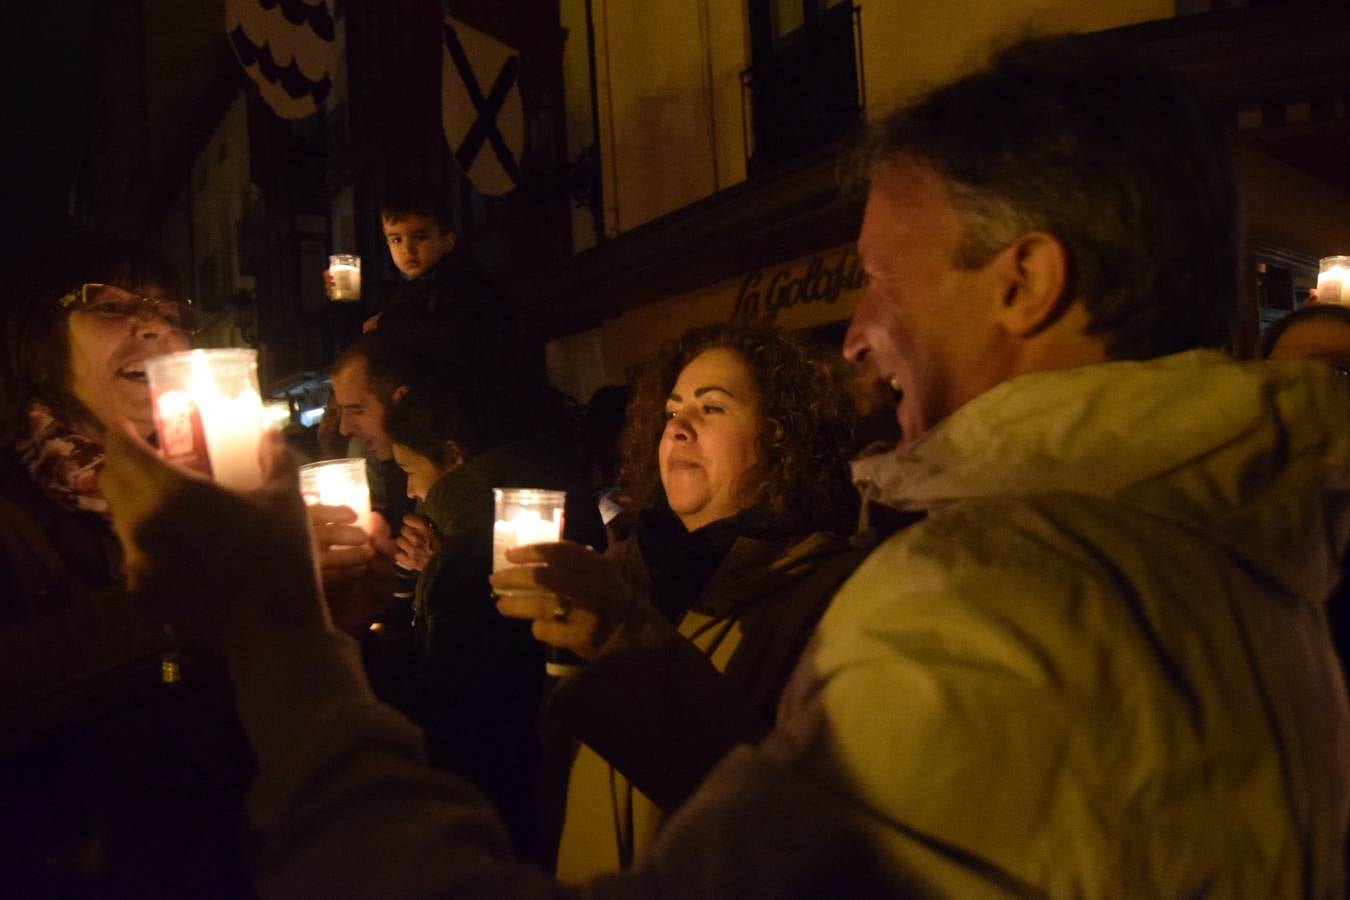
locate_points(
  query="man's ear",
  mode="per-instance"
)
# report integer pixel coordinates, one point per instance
(454, 455)
(1034, 271)
(399, 393)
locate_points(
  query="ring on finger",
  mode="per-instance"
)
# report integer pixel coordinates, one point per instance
(560, 612)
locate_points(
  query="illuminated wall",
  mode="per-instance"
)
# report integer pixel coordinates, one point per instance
(1291, 209)
(910, 46)
(670, 115)
(668, 78)
(817, 289)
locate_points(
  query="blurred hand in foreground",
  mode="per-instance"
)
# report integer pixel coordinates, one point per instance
(417, 542)
(224, 568)
(575, 597)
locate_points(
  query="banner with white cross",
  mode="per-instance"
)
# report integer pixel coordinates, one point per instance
(481, 112)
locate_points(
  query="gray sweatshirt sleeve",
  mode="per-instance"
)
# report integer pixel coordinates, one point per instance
(347, 807)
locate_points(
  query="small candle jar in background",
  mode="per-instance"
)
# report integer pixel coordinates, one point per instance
(345, 270)
(531, 516)
(1332, 274)
(338, 482)
(208, 413)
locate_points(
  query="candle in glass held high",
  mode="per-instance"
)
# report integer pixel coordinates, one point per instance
(338, 482)
(345, 270)
(1332, 275)
(208, 413)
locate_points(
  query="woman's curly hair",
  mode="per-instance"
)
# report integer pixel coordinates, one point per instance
(806, 433)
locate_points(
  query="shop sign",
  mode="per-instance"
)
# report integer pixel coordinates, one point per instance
(823, 280)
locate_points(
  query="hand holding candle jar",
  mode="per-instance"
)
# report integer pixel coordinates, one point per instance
(338, 482)
(344, 270)
(1332, 277)
(530, 516)
(525, 516)
(208, 413)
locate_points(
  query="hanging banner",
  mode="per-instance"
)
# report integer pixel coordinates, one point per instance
(481, 112)
(286, 47)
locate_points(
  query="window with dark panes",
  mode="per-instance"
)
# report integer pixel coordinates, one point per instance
(803, 83)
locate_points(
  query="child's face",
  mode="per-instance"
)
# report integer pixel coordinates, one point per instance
(416, 243)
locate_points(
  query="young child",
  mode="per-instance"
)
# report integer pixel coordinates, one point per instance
(442, 297)
(419, 231)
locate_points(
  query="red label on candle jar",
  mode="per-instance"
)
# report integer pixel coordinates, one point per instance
(182, 439)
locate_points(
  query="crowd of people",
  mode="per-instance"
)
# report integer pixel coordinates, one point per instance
(1074, 635)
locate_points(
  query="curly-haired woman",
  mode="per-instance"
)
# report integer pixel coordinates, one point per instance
(736, 451)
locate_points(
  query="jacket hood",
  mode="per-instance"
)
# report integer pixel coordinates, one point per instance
(461, 497)
(1254, 454)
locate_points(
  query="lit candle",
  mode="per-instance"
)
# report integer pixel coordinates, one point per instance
(524, 526)
(345, 270)
(338, 482)
(529, 516)
(208, 413)
(233, 427)
(1333, 272)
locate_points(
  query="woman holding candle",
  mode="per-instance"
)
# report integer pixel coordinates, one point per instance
(103, 753)
(736, 449)
(476, 691)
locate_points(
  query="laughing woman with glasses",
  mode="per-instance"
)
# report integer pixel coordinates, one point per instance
(101, 760)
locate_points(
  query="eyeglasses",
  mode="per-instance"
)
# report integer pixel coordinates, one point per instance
(108, 301)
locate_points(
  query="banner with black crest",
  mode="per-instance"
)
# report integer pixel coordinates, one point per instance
(286, 47)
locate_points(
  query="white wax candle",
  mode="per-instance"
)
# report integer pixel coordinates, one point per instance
(208, 413)
(346, 282)
(233, 429)
(336, 487)
(1331, 285)
(526, 526)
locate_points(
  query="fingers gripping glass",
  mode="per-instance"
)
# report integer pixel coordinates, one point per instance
(108, 301)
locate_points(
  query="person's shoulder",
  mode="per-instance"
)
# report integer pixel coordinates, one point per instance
(819, 546)
(460, 502)
(455, 281)
(384, 290)
(817, 554)
(1046, 538)
(49, 537)
(1003, 576)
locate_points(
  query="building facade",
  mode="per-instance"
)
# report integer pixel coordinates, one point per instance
(683, 162)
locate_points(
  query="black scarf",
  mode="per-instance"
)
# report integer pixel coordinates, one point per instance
(681, 562)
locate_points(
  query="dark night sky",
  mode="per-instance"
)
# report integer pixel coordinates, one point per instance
(47, 92)
(71, 67)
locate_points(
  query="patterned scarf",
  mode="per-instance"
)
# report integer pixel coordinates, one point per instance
(63, 463)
